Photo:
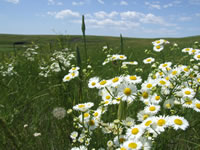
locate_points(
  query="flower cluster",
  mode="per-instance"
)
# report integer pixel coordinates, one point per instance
(7, 69)
(59, 61)
(115, 57)
(159, 45)
(162, 99)
(73, 73)
(30, 53)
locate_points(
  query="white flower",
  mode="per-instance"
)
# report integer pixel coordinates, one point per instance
(83, 107)
(110, 143)
(37, 134)
(135, 132)
(178, 122)
(74, 69)
(188, 92)
(74, 135)
(132, 145)
(148, 60)
(93, 82)
(196, 106)
(133, 79)
(152, 109)
(197, 56)
(158, 48)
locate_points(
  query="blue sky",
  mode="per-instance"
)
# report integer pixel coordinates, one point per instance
(131, 18)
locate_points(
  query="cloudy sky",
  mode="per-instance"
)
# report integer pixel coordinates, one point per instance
(132, 18)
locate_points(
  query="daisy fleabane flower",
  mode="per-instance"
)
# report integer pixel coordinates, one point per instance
(93, 82)
(83, 107)
(148, 60)
(178, 122)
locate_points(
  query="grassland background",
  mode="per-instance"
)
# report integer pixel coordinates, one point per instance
(30, 99)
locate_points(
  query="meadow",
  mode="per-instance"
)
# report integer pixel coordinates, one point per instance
(38, 99)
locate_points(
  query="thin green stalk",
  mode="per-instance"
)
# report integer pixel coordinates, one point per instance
(79, 63)
(121, 44)
(84, 37)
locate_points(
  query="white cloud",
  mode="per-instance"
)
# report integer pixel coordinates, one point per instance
(102, 14)
(185, 19)
(123, 3)
(101, 1)
(144, 18)
(77, 3)
(53, 2)
(131, 15)
(110, 23)
(63, 14)
(13, 1)
(153, 5)
(174, 3)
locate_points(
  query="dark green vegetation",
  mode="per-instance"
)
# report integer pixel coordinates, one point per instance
(27, 98)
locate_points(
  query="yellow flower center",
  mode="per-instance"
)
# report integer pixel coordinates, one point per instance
(152, 108)
(127, 91)
(74, 68)
(118, 99)
(81, 105)
(158, 47)
(67, 78)
(187, 92)
(108, 97)
(168, 105)
(164, 65)
(158, 42)
(161, 73)
(157, 98)
(115, 80)
(122, 148)
(103, 82)
(193, 51)
(93, 83)
(161, 122)
(186, 69)
(135, 131)
(132, 145)
(188, 102)
(73, 74)
(198, 56)
(198, 79)
(145, 116)
(174, 72)
(91, 122)
(148, 123)
(86, 115)
(162, 82)
(149, 59)
(167, 78)
(187, 49)
(96, 114)
(133, 77)
(149, 85)
(121, 56)
(106, 102)
(178, 121)
(145, 95)
(198, 105)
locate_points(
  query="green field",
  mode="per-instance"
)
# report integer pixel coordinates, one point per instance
(27, 98)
